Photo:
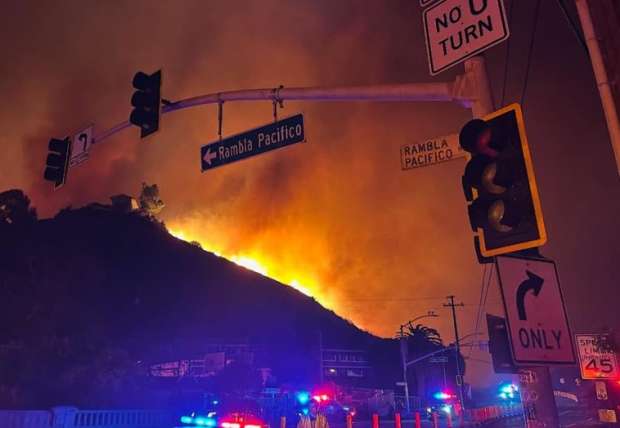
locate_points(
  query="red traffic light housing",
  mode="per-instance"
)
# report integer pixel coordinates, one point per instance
(57, 162)
(499, 185)
(146, 101)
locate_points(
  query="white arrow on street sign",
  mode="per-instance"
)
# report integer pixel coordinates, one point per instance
(459, 29)
(431, 152)
(596, 359)
(209, 156)
(80, 145)
(535, 315)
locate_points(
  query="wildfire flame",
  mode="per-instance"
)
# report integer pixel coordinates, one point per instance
(249, 262)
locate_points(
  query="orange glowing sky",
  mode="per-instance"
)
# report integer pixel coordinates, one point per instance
(335, 217)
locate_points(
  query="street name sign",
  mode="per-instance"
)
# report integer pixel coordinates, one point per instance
(459, 29)
(253, 142)
(537, 322)
(431, 152)
(80, 146)
(596, 358)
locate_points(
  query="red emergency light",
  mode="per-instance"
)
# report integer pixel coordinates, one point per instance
(320, 398)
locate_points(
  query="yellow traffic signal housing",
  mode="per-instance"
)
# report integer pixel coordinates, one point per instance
(499, 184)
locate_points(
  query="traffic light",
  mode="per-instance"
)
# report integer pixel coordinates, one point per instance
(499, 346)
(57, 163)
(146, 101)
(499, 185)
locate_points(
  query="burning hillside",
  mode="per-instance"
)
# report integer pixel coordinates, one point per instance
(255, 263)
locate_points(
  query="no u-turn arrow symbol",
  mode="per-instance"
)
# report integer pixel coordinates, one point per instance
(537, 323)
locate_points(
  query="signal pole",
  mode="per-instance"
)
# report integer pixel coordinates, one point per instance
(459, 377)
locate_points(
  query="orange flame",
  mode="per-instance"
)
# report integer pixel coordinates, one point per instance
(253, 262)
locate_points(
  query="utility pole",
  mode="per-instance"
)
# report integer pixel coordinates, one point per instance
(403, 356)
(459, 377)
(603, 81)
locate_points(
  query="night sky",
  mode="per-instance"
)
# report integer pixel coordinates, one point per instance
(337, 215)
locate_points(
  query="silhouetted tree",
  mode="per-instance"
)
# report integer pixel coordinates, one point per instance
(429, 376)
(150, 202)
(15, 208)
(421, 337)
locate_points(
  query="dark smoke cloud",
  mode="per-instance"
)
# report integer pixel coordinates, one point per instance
(337, 210)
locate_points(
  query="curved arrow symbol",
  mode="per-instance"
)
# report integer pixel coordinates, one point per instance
(534, 283)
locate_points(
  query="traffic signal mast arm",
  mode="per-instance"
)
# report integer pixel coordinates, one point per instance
(469, 90)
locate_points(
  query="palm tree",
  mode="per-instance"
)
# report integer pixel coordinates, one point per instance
(421, 340)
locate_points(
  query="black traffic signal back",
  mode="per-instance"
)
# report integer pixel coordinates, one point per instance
(499, 346)
(57, 163)
(499, 184)
(146, 101)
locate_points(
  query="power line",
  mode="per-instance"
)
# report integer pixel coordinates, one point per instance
(530, 51)
(467, 306)
(486, 294)
(395, 299)
(482, 284)
(479, 360)
(573, 26)
(507, 58)
(484, 273)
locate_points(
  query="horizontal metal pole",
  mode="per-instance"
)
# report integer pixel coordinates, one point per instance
(406, 92)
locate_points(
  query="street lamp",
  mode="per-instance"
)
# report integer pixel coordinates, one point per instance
(403, 344)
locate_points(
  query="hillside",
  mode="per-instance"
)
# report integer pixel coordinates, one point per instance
(96, 286)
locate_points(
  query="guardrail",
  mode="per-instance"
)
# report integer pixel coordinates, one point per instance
(487, 414)
(25, 419)
(71, 417)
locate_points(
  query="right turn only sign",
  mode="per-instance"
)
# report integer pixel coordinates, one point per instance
(537, 323)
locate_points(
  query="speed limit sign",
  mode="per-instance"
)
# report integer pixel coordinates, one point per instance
(597, 357)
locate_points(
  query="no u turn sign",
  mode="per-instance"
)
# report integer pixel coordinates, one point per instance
(459, 29)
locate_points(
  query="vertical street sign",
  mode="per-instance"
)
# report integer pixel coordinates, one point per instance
(253, 142)
(459, 29)
(431, 152)
(539, 408)
(80, 146)
(597, 359)
(537, 322)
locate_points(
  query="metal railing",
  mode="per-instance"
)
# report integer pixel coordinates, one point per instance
(71, 417)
